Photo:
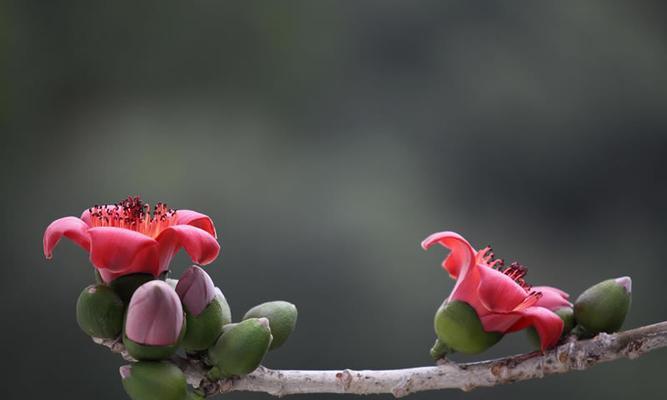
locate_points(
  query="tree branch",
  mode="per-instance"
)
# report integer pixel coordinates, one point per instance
(572, 355)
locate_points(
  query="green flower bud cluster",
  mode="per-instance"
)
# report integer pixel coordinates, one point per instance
(204, 330)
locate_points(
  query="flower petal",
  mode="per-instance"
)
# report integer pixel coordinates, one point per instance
(72, 228)
(198, 243)
(496, 322)
(552, 298)
(123, 250)
(462, 256)
(198, 220)
(498, 292)
(548, 325)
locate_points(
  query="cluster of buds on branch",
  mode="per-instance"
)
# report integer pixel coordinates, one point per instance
(155, 316)
(490, 300)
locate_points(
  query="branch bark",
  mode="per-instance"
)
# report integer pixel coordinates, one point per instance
(570, 356)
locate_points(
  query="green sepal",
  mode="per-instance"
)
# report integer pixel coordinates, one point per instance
(228, 327)
(204, 329)
(282, 319)
(241, 348)
(440, 350)
(151, 380)
(459, 328)
(567, 315)
(602, 307)
(125, 285)
(146, 352)
(214, 374)
(99, 312)
(226, 310)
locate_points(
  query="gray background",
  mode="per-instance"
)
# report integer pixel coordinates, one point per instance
(326, 140)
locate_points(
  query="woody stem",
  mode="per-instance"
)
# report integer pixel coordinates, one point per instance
(570, 356)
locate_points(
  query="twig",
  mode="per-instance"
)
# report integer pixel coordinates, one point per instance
(572, 355)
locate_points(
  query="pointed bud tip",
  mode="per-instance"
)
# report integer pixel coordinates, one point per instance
(626, 282)
(196, 289)
(125, 371)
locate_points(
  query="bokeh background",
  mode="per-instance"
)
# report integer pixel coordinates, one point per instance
(326, 140)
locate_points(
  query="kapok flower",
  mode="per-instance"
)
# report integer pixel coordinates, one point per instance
(126, 237)
(501, 297)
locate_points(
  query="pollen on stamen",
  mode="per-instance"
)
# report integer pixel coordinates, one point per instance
(517, 272)
(132, 213)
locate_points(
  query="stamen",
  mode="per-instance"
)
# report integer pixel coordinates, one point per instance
(529, 301)
(132, 213)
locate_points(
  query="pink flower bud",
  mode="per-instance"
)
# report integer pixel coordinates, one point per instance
(155, 315)
(196, 290)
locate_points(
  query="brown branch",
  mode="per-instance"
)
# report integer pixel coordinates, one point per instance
(570, 356)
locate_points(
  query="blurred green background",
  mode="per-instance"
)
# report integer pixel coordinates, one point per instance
(326, 140)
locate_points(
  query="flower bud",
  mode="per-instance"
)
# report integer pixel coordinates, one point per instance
(154, 324)
(242, 347)
(459, 328)
(126, 285)
(154, 380)
(205, 307)
(282, 319)
(566, 314)
(99, 312)
(603, 307)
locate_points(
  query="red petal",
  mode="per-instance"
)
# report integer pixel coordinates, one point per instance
(122, 250)
(499, 322)
(462, 256)
(549, 326)
(552, 298)
(498, 292)
(198, 220)
(72, 228)
(198, 243)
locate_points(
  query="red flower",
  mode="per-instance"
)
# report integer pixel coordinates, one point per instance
(501, 297)
(127, 238)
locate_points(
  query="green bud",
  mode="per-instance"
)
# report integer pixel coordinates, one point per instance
(282, 319)
(566, 314)
(125, 285)
(99, 312)
(603, 307)
(205, 328)
(439, 350)
(148, 352)
(150, 380)
(459, 328)
(228, 327)
(242, 347)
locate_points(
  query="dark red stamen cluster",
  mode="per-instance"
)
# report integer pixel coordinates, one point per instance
(133, 213)
(515, 270)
